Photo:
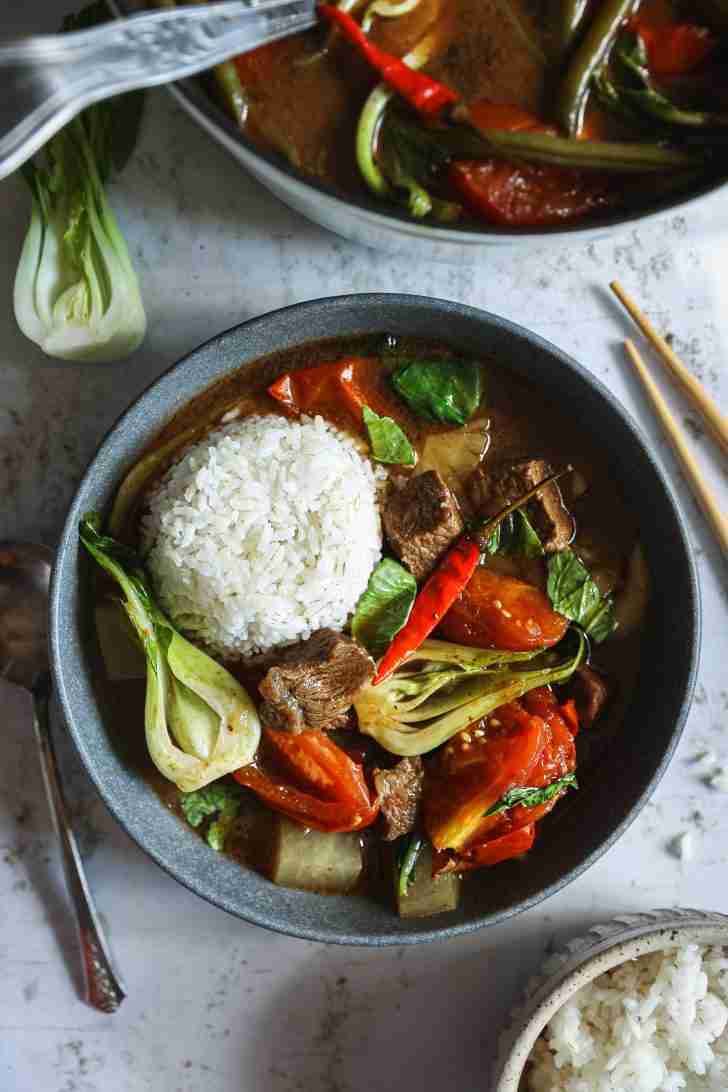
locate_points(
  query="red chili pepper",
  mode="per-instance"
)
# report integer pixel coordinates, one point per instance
(449, 579)
(677, 49)
(434, 599)
(424, 94)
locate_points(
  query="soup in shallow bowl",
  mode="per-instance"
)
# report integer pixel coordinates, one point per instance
(404, 623)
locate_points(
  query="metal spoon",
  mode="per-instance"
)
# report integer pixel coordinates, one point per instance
(48, 79)
(25, 571)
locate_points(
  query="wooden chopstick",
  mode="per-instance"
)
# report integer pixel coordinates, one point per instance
(695, 479)
(715, 420)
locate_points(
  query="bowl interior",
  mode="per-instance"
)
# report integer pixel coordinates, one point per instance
(576, 835)
(387, 220)
(585, 959)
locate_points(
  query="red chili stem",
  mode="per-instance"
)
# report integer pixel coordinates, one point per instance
(427, 96)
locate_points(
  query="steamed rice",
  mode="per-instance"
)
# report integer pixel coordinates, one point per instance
(264, 532)
(654, 1024)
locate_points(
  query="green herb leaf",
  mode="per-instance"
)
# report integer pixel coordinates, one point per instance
(218, 802)
(515, 537)
(388, 442)
(410, 159)
(384, 607)
(574, 594)
(440, 390)
(528, 797)
(410, 849)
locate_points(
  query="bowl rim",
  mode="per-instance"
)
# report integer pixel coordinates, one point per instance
(582, 960)
(211, 117)
(68, 540)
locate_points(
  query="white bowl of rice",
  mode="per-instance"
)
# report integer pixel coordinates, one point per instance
(637, 1005)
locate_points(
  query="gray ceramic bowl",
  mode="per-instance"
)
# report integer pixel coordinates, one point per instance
(604, 807)
(374, 223)
(584, 959)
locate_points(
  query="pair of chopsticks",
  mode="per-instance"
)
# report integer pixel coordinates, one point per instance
(714, 419)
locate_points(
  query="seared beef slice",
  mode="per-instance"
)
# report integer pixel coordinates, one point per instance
(591, 692)
(314, 682)
(399, 791)
(421, 519)
(491, 488)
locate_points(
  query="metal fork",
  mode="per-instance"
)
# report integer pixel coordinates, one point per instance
(48, 79)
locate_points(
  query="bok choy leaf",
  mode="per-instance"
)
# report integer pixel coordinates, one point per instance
(76, 293)
(444, 687)
(200, 724)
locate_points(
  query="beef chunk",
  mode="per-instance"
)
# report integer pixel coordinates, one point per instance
(312, 684)
(590, 692)
(421, 518)
(491, 488)
(399, 791)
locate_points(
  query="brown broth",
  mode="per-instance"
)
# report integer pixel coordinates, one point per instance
(521, 421)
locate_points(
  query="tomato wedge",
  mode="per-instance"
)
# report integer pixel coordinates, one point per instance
(677, 49)
(499, 611)
(329, 389)
(526, 195)
(504, 115)
(315, 782)
(474, 770)
(513, 844)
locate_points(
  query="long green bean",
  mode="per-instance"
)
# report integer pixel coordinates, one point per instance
(558, 151)
(590, 55)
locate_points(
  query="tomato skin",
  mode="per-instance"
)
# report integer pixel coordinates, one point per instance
(499, 611)
(677, 49)
(319, 785)
(512, 844)
(526, 195)
(473, 771)
(502, 115)
(337, 391)
(465, 781)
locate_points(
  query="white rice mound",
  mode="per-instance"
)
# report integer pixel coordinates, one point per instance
(654, 1024)
(265, 531)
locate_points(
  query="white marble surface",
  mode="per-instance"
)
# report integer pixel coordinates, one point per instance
(214, 1004)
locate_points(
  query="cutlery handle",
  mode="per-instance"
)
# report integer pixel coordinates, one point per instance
(104, 989)
(48, 79)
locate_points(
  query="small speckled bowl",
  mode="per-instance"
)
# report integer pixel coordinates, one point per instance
(584, 959)
(575, 835)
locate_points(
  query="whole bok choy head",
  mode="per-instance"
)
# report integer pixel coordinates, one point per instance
(200, 723)
(444, 687)
(76, 292)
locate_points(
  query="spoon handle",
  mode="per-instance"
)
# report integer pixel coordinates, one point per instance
(48, 79)
(104, 989)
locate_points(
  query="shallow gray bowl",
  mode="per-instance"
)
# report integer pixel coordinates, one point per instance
(603, 808)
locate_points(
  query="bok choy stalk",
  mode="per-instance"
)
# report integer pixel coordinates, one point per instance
(444, 687)
(200, 724)
(76, 292)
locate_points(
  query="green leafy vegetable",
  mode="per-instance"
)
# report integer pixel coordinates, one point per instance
(200, 724)
(574, 594)
(445, 390)
(218, 802)
(528, 797)
(411, 164)
(76, 293)
(634, 96)
(388, 442)
(444, 687)
(384, 607)
(410, 850)
(515, 537)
